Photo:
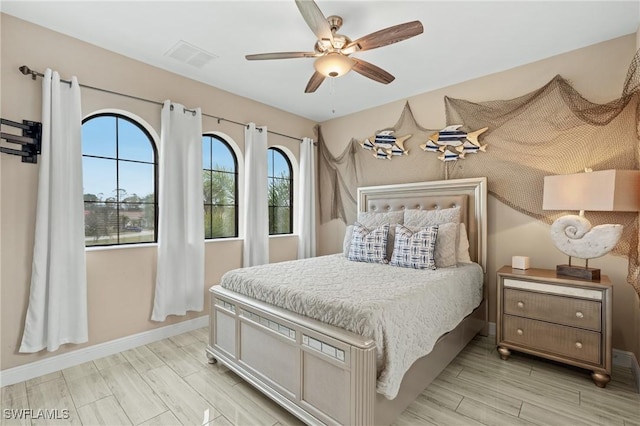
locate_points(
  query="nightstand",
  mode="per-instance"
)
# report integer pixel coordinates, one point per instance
(555, 317)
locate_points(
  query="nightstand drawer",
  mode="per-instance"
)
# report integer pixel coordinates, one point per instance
(552, 308)
(565, 341)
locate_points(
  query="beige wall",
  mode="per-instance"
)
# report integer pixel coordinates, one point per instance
(598, 72)
(120, 281)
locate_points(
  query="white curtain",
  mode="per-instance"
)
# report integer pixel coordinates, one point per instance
(57, 312)
(180, 271)
(307, 197)
(256, 214)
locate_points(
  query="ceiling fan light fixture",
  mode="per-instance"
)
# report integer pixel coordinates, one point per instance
(334, 64)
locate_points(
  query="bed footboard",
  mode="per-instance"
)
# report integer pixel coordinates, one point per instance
(309, 366)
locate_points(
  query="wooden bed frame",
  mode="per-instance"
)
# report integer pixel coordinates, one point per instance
(323, 374)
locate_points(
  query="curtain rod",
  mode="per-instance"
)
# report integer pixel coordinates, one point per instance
(28, 71)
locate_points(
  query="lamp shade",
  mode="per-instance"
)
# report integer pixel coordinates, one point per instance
(604, 190)
(333, 64)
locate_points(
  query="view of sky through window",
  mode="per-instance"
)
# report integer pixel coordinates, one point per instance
(277, 164)
(219, 159)
(99, 139)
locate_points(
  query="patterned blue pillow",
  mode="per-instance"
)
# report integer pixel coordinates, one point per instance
(369, 245)
(415, 249)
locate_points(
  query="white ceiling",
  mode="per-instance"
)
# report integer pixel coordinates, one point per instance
(462, 40)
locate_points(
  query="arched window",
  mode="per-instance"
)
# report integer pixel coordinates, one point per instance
(220, 178)
(280, 175)
(119, 162)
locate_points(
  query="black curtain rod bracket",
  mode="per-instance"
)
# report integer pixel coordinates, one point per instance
(30, 141)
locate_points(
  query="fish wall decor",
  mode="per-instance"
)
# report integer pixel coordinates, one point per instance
(454, 143)
(471, 148)
(386, 145)
(448, 155)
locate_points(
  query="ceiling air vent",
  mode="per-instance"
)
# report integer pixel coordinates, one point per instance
(190, 54)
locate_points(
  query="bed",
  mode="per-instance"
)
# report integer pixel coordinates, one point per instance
(352, 372)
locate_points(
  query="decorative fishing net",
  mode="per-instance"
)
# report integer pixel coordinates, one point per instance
(550, 131)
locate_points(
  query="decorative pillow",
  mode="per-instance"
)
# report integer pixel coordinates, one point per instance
(463, 246)
(372, 220)
(445, 251)
(369, 245)
(415, 249)
(348, 234)
(422, 218)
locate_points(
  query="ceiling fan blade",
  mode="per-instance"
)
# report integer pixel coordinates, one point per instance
(281, 55)
(315, 19)
(384, 37)
(371, 71)
(314, 82)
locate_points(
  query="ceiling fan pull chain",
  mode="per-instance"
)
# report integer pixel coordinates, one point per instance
(332, 92)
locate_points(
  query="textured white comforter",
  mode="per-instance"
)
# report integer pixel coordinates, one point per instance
(403, 310)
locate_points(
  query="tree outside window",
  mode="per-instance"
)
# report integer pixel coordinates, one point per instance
(220, 184)
(280, 178)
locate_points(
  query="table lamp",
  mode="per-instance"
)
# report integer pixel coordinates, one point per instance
(604, 190)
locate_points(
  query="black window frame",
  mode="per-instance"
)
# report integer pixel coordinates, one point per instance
(235, 173)
(138, 125)
(291, 190)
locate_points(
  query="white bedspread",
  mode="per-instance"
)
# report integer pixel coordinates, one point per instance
(403, 310)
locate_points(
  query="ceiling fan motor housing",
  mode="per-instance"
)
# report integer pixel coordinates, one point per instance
(335, 22)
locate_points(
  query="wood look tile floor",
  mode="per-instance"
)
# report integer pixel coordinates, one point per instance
(170, 383)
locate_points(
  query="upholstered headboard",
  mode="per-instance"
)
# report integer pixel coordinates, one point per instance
(470, 194)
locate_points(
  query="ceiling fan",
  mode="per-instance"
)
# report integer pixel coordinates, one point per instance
(332, 50)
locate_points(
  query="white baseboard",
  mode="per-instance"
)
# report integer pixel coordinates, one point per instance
(90, 353)
(492, 329)
(620, 358)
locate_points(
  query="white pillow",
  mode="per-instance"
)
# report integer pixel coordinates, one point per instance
(445, 251)
(414, 218)
(415, 249)
(369, 245)
(422, 218)
(463, 246)
(373, 219)
(348, 233)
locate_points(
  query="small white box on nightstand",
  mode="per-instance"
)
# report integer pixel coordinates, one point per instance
(520, 262)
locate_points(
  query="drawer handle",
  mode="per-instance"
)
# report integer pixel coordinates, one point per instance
(579, 314)
(578, 345)
(519, 332)
(520, 305)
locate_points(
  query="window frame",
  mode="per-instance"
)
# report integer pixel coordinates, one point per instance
(291, 190)
(142, 127)
(236, 174)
